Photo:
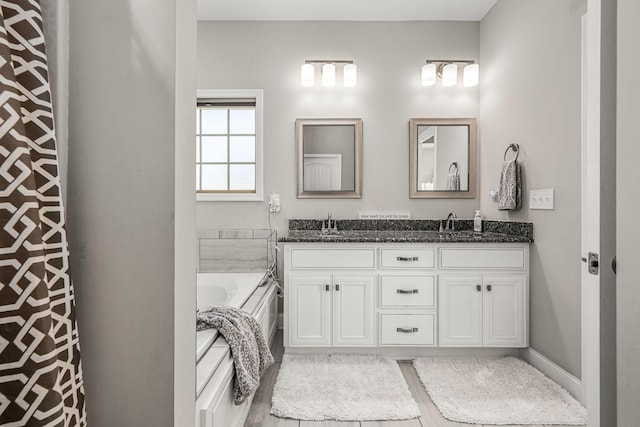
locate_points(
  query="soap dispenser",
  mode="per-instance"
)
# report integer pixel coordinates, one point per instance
(477, 222)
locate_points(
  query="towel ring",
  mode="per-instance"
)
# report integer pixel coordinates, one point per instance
(456, 166)
(515, 148)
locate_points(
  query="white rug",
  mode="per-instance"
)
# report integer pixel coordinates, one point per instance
(496, 391)
(341, 387)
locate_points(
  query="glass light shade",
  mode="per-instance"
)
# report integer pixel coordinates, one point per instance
(328, 75)
(429, 75)
(350, 77)
(307, 77)
(449, 75)
(471, 75)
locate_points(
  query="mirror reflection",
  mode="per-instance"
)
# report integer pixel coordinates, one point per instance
(442, 158)
(329, 158)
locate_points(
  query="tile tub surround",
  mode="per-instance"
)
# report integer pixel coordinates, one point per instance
(235, 251)
(409, 231)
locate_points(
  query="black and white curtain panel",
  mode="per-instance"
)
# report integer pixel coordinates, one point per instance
(40, 373)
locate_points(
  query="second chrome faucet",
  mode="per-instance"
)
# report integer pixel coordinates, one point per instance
(450, 224)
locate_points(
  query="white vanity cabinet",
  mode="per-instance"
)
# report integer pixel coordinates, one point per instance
(409, 295)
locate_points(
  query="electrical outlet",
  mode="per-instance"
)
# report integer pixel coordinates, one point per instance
(541, 199)
(274, 202)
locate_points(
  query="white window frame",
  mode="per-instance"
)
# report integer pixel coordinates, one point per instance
(257, 94)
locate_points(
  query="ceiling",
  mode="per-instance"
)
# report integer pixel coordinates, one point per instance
(343, 10)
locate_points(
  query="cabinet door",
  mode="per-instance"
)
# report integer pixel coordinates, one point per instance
(460, 311)
(504, 311)
(353, 311)
(310, 311)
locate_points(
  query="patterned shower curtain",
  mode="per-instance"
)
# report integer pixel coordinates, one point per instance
(40, 373)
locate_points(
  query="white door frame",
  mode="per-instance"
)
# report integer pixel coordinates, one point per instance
(590, 210)
(598, 212)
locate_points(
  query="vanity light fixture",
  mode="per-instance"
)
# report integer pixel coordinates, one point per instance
(328, 75)
(307, 75)
(447, 70)
(449, 75)
(328, 72)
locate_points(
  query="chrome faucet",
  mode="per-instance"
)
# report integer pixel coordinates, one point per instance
(329, 225)
(450, 224)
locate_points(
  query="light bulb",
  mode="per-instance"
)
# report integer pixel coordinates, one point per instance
(471, 75)
(449, 75)
(307, 77)
(328, 75)
(350, 77)
(429, 74)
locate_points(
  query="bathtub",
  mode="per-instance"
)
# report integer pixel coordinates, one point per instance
(221, 289)
(225, 288)
(215, 370)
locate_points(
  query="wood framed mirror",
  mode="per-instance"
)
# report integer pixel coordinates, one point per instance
(442, 158)
(329, 158)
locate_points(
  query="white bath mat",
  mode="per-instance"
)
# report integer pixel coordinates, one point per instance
(341, 387)
(496, 391)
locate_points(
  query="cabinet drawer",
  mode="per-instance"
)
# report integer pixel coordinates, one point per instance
(407, 329)
(482, 258)
(407, 291)
(406, 258)
(333, 258)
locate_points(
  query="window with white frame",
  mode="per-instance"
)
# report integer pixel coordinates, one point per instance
(229, 145)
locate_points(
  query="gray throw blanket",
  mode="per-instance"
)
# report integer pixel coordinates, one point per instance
(510, 190)
(249, 349)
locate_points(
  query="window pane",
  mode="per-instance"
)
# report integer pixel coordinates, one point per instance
(197, 149)
(198, 112)
(242, 177)
(214, 149)
(197, 177)
(242, 121)
(214, 177)
(242, 149)
(214, 121)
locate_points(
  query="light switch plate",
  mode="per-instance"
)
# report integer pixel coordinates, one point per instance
(541, 198)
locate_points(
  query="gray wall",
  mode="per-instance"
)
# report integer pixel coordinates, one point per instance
(131, 210)
(628, 182)
(389, 57)
(530, 95)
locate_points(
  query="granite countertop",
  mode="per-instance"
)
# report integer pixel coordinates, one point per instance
(408, 231)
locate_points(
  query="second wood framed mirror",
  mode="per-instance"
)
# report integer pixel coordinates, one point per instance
(442, 159)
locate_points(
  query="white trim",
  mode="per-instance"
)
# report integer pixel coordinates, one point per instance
(570, 383)
(258, 196)
(410, 352)
(590, 191)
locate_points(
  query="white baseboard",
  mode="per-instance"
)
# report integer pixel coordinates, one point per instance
(570, 383)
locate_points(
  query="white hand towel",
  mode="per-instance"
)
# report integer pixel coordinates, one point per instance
(510, 191)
